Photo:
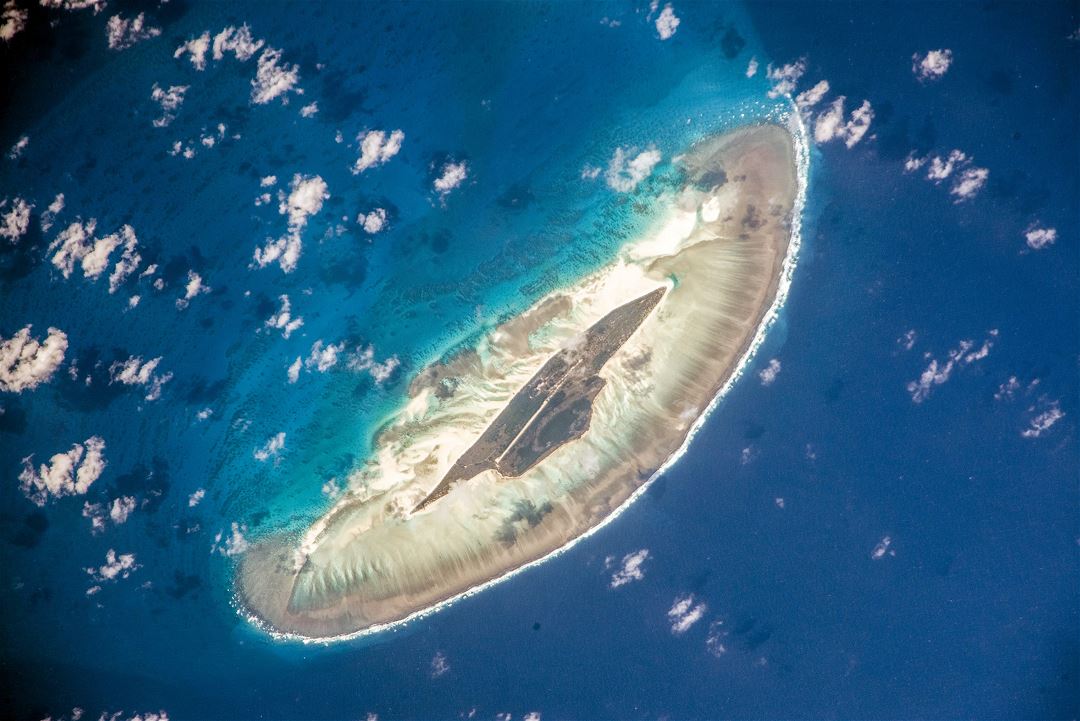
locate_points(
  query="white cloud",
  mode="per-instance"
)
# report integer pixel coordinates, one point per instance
(809, 98)
(99, 514)
(16, 221)
(96, 259)
(1007, 390)
(453, 174)
(12, 21)
(268, 181)
(76, 243)
(284, 250)
(785, 77)
(271, 448)
(830, 124)
(374, 221)
(363, 359)
(121, 508)
(193, 288)
(170, 101)
(237, 41)
(715, 640)
(323, 357)
(969, 183)
(294, 369)
(630, 570)
(54, 209)
(309, 110)
(624, 172)
(938, 372)
(234, 544)
(69, 5)
(66, 474)
(26, 363)
(1038, 238)
(196, 49)
(116, 566)
(439, 665)
(968, 180)
(306, 196)
(20, 144)
(591, 172)
(376, 148)
(273, 80)
(532, 716)
(196, 498)
(283, 319)
(932, 65)
(134, 372)
(907, 341)
(129, 260)
(122, 33)
(684, 613)
(882, 548)
(1046, 415)
(769, 373)
(667, 23)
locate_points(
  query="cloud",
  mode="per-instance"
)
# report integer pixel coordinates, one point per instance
(134, 372)
(624, 172)
(809, 98)
(66, 474)
(16, 220)
(76, 243)
(1038, 238)
(293, 371)
(591, 172)
(20, 145)
(882, 548)
(70, 5)
(439, 665)
(273, 80)
(196, 49)
(323, 357)
(54, 209)
(237, 41)
(234, 544)
(123, 33)
(684, 613)
(532, 716)
(667, 23)
(26, 363)
(939, 372)
(452, 175)
(968, 180)
(196, 498)
(374, 221)
(769, 373)
(283, 320)
(630, 570)
(270, 449)
(785, 77)
(969, 183)
(830, 123)
(751, 67)
(932, 65)
(363, 359)
(12, 21)
(99, 514)
(716, 640)
(907, 341)
(170, 101)
(193, 288)
(1047, 413)
(309, 110)
(305, 198)
(129, 260)
(116, 566)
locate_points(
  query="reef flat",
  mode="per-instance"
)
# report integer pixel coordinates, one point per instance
(508, 451)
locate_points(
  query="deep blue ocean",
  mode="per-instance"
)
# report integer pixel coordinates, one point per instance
(859, 554)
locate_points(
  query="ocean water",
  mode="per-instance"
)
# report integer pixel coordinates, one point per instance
(970, 612)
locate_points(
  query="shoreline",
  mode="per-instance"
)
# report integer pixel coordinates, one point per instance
(777, 292)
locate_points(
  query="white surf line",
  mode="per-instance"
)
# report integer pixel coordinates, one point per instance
(797, 127)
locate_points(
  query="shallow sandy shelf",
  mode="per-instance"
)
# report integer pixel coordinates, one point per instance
(374, 558)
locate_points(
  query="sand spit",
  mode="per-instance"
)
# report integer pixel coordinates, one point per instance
(374, 559)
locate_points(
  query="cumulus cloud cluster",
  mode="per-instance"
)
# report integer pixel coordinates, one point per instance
(452, 175)
(193, 288)
(628, 167)
(122, 33)
(830, 123)
(66, 474)
(362, 360)
(20, 145)
(931, 65)
(667, 23)
(12, 21)
(967, 178)
(684, 613)
(271, 449)
(26, 362)
(769, 373)
(233, 544)
(116, 566)
(1038, 237)
(274, 79)
(784, 78)
(69, 5)
(305, 198)
(1043, 416)
(54, 209)
(15, 220)
(372, 222)
(135, 372)
(938, 372)
(170, 101)
(101, 513)
(237, 41)
(283, 320)
(376, 148)
(630, 569)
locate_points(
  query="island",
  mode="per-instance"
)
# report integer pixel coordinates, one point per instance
(509, 450)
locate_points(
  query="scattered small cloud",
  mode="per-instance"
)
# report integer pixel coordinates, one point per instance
(20, 145)
(967, 178)
(273, 80)
(66, 474)
(630, 569)
(194, 287)
(1043, 416)
(283, 320)
(1036, 236)
(170, 101)
(195, 49)
(374, 221)
(123, 33)
(309, 110)
(12, 21)
(684, 613)
(15, 220)
(628, 168)
(768, 373)
(439, 665)
(931, 65)
(232, 544)
(135, 372)
(717, 638)
(451, 176)
(271, 449)
(785, 78)
(752, 67)
(809, 98)
(907, 341)
(100, 514)
(237, 41)
(116, 566)
(196, 498)
(377, 147)
(830, 124)
(938, 372)
(305, 198)
(667, 23)
(363, 360)
(26, 362)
